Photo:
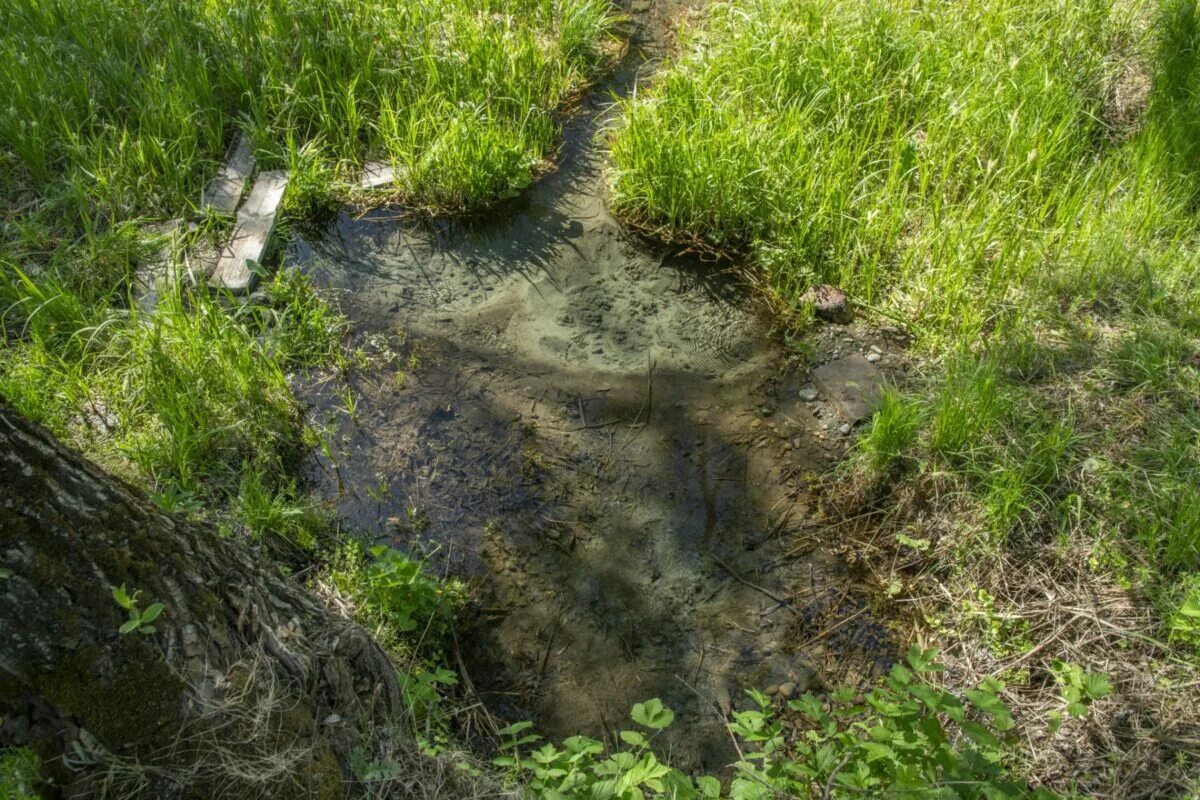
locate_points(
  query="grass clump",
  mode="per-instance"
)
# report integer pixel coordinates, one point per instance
(192, 402)
(906, 738)
(117, 113)
(19, 773)
(116, 110)
(1017, 183)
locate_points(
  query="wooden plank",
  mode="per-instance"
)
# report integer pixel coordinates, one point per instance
(224, 192)
(251, 234)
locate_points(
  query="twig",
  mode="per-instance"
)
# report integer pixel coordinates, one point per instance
(748, 583)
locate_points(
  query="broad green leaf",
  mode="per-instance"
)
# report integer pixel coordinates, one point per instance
(515, 728)
(1096, 685)
(633, 738)
(652, 714)
(120, 596)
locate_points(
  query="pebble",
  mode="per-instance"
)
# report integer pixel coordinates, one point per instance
(788, 689)
(845, 429)
(808, 395)
(874, 357)
(772, 690)
(875, 349)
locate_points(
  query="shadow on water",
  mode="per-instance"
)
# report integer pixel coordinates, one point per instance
(605, 435)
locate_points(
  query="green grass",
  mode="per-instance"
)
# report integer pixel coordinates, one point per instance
(18, 773)
(115, 110)
(968, 167)
(1015, 181)
(115, 114)
(192, 402)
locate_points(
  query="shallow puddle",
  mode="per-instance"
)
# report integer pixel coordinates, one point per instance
(606, 435)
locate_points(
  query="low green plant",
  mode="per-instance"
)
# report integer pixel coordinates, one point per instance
(394, 596)
(894, 429)
(140, 619)
(397, 584)
(1183, 615)
(277, 514)
(19, 773)
(906, 739)
(581, 767)
(1079, 689)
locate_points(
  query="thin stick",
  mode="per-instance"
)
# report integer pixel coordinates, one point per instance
(748, 583)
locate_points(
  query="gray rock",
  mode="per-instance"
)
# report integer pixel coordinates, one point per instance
(378, 174)
(829, 303)
(845, 429)
(851, 385)
(874, 357)
(808, 395)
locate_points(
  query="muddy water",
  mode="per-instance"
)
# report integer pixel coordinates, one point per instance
(603, 433)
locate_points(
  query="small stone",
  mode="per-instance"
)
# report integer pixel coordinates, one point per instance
(772, 690)
(755, 424)
(787, 690)
(829, 303)
(845, 429)
(875, 349)
(808, 395)
(874, 357)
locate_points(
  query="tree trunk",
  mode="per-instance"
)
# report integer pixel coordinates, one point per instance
(248, 686)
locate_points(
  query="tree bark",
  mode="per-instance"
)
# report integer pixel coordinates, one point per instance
(248, 686)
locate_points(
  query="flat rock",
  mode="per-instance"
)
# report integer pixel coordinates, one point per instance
(377, 174)
(153, 275)
(851, 385)
(829, 303)
(251, 235)
(224, 191)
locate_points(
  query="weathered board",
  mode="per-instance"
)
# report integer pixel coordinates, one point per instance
(251, 234)
(224, 191)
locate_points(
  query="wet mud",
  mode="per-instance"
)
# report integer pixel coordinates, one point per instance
(605, 434)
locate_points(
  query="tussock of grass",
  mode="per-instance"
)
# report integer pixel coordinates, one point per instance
(117, 112)
(192, 402)
(1018, 182)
